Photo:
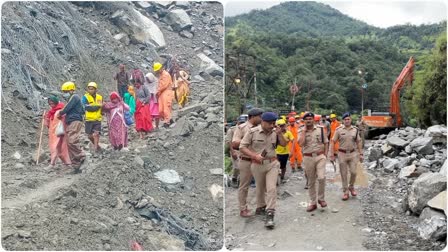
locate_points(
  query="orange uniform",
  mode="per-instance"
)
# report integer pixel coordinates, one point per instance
(333, 126)
(296, 152)
(166, 96)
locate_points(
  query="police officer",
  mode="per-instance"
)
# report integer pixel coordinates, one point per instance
(314, 144)
(259, 144)
(350, 148)
(245, 161)
(362, 126)
(234, 154)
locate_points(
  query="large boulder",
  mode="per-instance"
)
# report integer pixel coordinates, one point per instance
(183, 127)
(140, 29)
(179, 20)
(426, 187)
(386, 149)
(123, 38)
(390, 164)
(192, 109)
(439, 202)
(209, 66)
(407, 172)
(397, 142)
(422, 145)
(432, 225)
(443, 169)
(374, 154)
(437, 133)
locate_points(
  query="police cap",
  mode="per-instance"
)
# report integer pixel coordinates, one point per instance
(269, 116)
(255, 112)
(309, 114)
(346, 114)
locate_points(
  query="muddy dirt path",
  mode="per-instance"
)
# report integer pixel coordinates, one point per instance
(336, 227)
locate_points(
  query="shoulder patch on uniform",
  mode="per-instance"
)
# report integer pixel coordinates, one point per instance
(340, 127)
(319, 126)
(242, 125)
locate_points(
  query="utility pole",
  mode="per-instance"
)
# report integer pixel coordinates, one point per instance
(255, 82)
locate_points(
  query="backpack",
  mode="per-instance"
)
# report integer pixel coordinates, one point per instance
(138, 76)
(128, 118)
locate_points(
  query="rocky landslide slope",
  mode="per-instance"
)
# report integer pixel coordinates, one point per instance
(166, 191)
(405, 205)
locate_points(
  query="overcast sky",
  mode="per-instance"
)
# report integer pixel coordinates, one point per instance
(378, 13)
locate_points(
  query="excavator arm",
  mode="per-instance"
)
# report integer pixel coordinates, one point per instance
(391, 119)
(406, 76)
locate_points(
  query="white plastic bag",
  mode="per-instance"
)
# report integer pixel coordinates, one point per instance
(60, 129)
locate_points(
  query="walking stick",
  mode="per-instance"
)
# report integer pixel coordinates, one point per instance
(40, 138)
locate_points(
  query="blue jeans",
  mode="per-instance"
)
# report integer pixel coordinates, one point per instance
(122, 90)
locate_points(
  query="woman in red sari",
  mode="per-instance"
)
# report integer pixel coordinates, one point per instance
(143, 119)
(118, 131)
(57, 144)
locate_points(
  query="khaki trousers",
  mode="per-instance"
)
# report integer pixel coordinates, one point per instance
(315, 169)
(73, 132)
(235, 170)
(245, 178)
(347, 162)
(266, 183)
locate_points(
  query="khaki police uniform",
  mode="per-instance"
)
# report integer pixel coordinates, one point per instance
(314, 160)
(349, 146)
(243, 165)
(229, 137)
(265, 173)
(362, 129)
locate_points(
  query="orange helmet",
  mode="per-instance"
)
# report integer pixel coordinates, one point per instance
(291, 119)
(317, 118)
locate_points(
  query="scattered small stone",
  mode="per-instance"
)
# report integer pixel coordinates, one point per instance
(366, 230)
(320, 248)
(334, 210)
(217, 171)
(24, 234)
(17, 155)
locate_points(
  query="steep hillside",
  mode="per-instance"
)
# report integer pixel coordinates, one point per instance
(310, 19)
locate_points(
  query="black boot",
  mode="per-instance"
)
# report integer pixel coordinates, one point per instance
(269, 220)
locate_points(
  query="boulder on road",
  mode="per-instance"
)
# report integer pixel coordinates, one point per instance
(179, 20)
(426, 187)
(422, 145)
(432, 224)
(397, 142)
(209, 66)
(437, 133)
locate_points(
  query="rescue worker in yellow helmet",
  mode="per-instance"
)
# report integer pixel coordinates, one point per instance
(93, 103)
(283, 151)
(73, 113)
(165, 93)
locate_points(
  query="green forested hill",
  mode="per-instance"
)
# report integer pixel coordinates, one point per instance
(309, 19)
(322, 50)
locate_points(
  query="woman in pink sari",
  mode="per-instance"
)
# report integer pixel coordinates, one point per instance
(57, 144)
(118, 131)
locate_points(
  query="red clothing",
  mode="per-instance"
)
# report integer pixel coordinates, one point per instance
(143, 119)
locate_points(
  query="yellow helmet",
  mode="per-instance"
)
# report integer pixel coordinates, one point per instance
(92, 84)
(68, 86)
(157, 66)
(281, 122)
(332, 116)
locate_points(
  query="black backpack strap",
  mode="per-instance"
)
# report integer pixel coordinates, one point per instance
(322, 134)
(356, 137)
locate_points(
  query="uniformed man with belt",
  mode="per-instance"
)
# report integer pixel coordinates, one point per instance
(314, 144)
(234, 154)
(350, 151)
(259, 144)
(245, 161)
(362, 126)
